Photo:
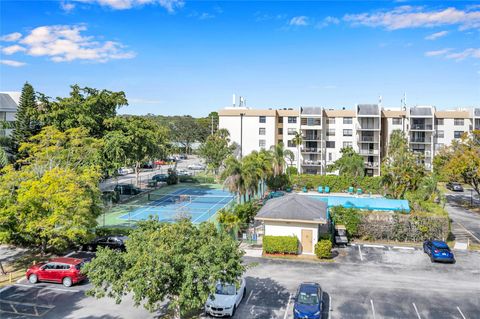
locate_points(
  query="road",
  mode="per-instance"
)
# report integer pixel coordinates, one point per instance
(465, 224)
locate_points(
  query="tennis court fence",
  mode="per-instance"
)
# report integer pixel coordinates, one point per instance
(185, 198)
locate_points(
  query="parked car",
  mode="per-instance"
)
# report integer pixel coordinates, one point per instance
(226, 299)
(113, 242)
(148, 165)
(61, 270)
(308, 301)
(159, 162)
(126, 189)
(196, 166)
(182, 156)
(125, 171)
(160, 177)
(453, 186)
(182, 172)
(438, 250)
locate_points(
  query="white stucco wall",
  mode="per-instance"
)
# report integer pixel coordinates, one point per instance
(278, 228)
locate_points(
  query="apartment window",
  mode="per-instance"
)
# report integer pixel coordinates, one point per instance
(280, 131)
(331, 132)
(292, 119)
(261, 131)
(347, 132)
(439, 121)
(397, 121)
(347, 120)
(330, 144)
(280, 119)
(261, 143)
(458, 122)
(291, 131)
(331, 120)
(330, 156)
(347, 144)
(440, 134)
(290, 143)
(457, 134)
(262, 119)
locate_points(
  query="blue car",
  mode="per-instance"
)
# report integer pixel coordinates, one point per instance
(308, 301)
(438, 251)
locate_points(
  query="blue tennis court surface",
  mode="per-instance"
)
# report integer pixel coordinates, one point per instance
(197, 203)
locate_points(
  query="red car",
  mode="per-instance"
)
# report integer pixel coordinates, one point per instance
(62, 270)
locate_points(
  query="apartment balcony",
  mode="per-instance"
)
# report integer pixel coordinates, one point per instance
(420, 140)
(367, 139)
(421, 127)
(311, 122)
(372, 165)
(375, 127)
(311, 137)
(310, 150)
(368, 152)
(312, 163)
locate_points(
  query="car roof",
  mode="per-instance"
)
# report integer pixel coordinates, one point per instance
(309, 287)
(66, 260)
(439, 244)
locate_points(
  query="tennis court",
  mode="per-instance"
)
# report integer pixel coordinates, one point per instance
(196, 203)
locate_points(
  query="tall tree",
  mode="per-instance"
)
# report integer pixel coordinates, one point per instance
(184, 131)
(233, 177)
(27, 122)
(279, 154)
(463, 160)
(85, 107)
(402, 170)
(298, 140)
(252, 173)
(179, 263)
(133, 140)
(216, 149)
(207, 126)
(350, 164)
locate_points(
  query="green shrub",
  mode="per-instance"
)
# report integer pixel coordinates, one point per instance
(197, 179)
(349, 217)
(292, 170)
(278, 182)
(337, 183)
(323, 249)
(280, 244)
(109, 231)
(172, 178)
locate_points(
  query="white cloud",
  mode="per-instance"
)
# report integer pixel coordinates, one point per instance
(414, 17)
(67, 6)
(13, 63)
(67, 43)
(436, 35)
(11, 37)
(299, 21)
(169, 5)
(328, 21)
(437, 52)
(12, 49)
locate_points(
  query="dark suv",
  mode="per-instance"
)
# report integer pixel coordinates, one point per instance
(127, 189)
(112, 242)
(456, 187)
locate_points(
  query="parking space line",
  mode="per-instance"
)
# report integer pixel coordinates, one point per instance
(416, 310)
(288, 306)
(406, 248)
(249, 296)
(461, 313)
(373, 308)
(373, 246)
(50, 288)
(360, 252)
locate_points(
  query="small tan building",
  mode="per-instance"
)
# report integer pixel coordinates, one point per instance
(298, 215)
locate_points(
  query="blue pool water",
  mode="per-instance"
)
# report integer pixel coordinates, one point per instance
(370, 203)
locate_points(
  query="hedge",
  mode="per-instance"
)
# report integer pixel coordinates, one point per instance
(280, 244)
(197, 179)
(338, 184)
(109, 231)
(323, 249)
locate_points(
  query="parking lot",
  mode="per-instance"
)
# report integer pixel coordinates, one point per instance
(365, 281)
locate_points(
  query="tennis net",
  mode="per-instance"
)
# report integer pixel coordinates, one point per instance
(175, 198)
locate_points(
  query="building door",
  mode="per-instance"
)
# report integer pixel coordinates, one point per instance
(307, 241)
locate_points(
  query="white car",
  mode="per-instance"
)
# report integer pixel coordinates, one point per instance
(225, 300)
(182, 172)
(125, 171)
(196, 166)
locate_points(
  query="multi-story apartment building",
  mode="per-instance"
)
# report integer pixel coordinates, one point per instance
(367, 129)
(8, 109)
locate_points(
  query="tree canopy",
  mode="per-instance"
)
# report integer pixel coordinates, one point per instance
(184, 130)
(216, 149)
(179, 263)
(350, 163)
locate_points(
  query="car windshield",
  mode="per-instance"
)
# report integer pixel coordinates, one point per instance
(225, 290)
(307, 298)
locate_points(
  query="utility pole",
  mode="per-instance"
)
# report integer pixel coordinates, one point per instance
(241, 134)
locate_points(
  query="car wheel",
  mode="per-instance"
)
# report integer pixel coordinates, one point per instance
(33, 279)
(431, 259)
(233, 310)
(67, 281)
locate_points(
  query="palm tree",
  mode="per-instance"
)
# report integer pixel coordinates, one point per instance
(298, 140)
(265, 163)
(233, 177)
(278, 158)
(252, 173)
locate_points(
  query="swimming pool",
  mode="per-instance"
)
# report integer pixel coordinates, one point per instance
(369, 203)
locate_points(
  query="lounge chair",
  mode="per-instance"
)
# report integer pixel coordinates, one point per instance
(320, 189)
(359, 191)
(304, 189)
(351, 190)
(327, 189)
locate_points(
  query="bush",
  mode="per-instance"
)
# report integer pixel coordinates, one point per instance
(278, 182)
(323, 249)
(197, 179)
(172, 178)
(292, 170)
(110, 231)
(280, 244)
(337, 183)
(349, 217)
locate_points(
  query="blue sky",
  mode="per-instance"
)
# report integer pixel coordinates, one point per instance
(189, 57)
